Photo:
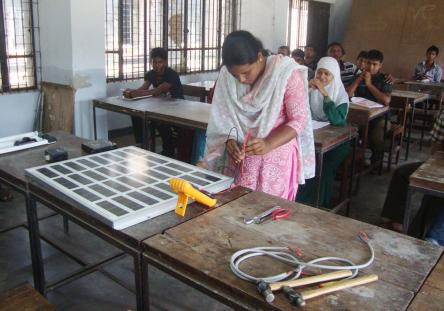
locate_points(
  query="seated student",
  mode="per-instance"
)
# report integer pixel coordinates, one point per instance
(428, 68)
(164, 80)
(360, 63)
(284, 50)
(328, 102)
(372, 85)
(396, 199)
(336, 51)
(298, 55)
(311, 59)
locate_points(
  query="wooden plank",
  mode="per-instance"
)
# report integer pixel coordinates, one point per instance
(417, 97)
(428, 299)
(436, 279)
(58, 108)
(202, 247)
(358, 113)
(24, 298)
(330, 136)
(430, 175)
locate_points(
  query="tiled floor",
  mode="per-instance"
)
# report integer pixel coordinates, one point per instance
(98, 291)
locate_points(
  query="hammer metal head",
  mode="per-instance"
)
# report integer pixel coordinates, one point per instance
(265, 290)
(293, 296)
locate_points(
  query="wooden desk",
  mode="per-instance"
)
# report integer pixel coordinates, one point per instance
(198, 252)
(128, 240)
(120, 105)
(327, 138)
(179, 112)
(431, 295)
(24, 298)
(411, 99)
(198, 89)
(428, 179)
(437, 88)
(361, 117)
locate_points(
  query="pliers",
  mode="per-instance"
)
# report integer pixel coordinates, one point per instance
(274, 213)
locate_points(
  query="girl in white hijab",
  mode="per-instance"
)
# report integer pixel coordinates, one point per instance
(328, 102)
(328, 98)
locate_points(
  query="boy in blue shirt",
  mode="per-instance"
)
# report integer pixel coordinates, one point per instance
(428, 69)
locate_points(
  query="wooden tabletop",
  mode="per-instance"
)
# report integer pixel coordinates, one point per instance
(13, 165)
(356, 112)
(134, 235)
(430, 175)
(24, 298)
(417, 97)
(200, 250)
(208, 84)
(176, 111)
(326, 138)
(426, 84)
(431, 295)
(118, 104)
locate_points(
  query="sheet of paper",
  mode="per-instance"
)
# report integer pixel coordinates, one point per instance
(319, 124)
(136, 98)
(365, 102)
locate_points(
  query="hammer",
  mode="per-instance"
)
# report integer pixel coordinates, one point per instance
(266, 290)
(298, 298)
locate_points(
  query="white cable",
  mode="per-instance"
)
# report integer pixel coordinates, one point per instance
(284, 254)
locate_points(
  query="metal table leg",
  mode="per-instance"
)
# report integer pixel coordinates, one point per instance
(34, 241)
(141, 281)
(412, 117)
(95, 121)
(352, 174)
(423, 124)
(383, 144)
(318, 187)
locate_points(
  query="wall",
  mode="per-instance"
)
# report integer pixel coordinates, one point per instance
(339, 14)
(403, 31)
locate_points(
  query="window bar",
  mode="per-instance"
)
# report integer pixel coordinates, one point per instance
(120, 38)
(145, 35)
(165, 25)
(3, 53)
(202, 35)
(186, 31)
(290, 21)
(219, 32)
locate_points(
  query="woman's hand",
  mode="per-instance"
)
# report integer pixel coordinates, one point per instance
(235, 151)
(317, 84)
(257, 146)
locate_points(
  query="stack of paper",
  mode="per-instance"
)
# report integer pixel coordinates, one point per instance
(319, 124)
(363, 102)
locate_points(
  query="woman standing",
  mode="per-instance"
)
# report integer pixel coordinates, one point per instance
(260, 125)
(328, 102)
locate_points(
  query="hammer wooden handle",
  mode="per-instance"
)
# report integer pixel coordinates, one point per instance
(312, 279)
(339, 285)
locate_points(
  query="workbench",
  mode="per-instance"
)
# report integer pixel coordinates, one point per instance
(198, 252)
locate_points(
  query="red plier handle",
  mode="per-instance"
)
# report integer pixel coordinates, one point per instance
(280, 213)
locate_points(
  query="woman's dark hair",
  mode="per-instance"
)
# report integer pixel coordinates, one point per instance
(240, 48)
(433, 48)
(159, 52)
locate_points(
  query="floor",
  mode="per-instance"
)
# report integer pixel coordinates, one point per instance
(112, 286)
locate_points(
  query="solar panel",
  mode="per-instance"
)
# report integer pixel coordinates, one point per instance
(125, 186)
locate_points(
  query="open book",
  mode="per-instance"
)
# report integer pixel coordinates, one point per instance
(365, 102)
(135, 98)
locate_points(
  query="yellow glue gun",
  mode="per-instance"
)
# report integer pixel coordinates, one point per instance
(185, 190)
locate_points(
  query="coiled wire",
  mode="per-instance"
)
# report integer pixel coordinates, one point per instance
(286, 255)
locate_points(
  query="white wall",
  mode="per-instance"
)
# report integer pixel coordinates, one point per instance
(18, 110)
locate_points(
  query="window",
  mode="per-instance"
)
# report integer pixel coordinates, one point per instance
(17, 57)
(191, 31)
(297, 24)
